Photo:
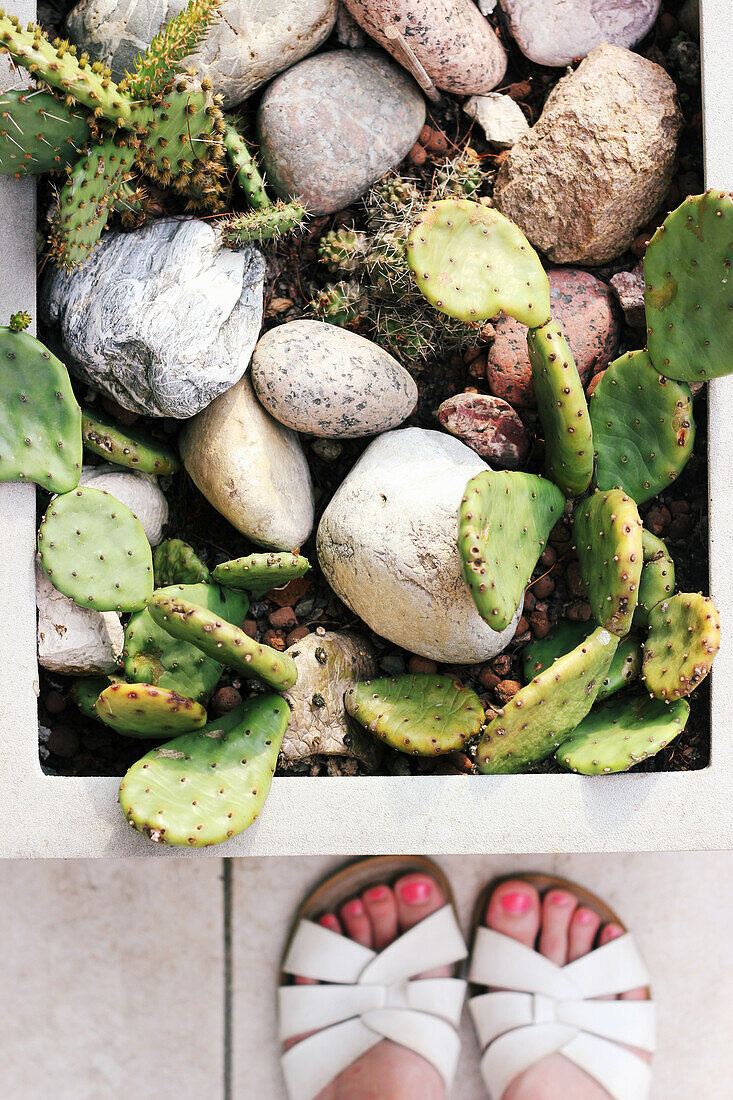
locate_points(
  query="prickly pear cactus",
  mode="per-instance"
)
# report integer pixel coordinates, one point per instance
(259, 573)
(643, 428)
(125, 446)
(657, 577)
(541, 653)
(86, 690)
(503, 523)
(608, 539)
(542, 714)
(143, 710)
(471, 262)
(40, 421)
(683, 639)
(342, 249)
(621, 733)
(205, 787)
(175, 562)
(563, 410)
(38, 133)
(94, 550)
(266, 224)
(422, 715)
(154, 70)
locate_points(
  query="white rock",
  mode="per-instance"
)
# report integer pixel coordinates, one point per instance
(556, 32)
(140, 492)
(73, 640)
(250, 468)
(501, 119)
(387, 546)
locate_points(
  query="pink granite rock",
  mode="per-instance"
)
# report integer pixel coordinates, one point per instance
(556, 32)
(487, 425)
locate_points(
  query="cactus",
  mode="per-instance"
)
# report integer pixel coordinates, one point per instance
(643, 427)
(175, 562)
(203, 788)
(390, 194)
(143, 710)
(624, 668)
(657, 577)
(689, 292)
(39, 133)
(40, 421)
(259, 573)
(86, 690)
(608, 540)
(460, 177)
(222, 641)
(339, 303)
(125, 446)
(261, 225)
(621, 733)
(683, 639)
(542, 713)
(422, 715)
(562, 408)
(503, 523)
(342, 249)
(471, 262)
(94, 550)
(155, 69)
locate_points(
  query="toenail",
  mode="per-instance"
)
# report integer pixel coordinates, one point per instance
(585, 916)
(376, 893)
(354, 908)
(515, 903)
(416, 891)
(328, 921)
(613, 932)
(562, 900)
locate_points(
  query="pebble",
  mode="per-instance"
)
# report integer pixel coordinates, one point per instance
(140, 492)
(591, 387)
(274, 639)
(54, 702)
(250, 627)
(543, 587)
(556, 32)
(224, 700)
(489, 426)
(540, 624)
(283, 619)
(63, 741)
(502, 119)
(579, 611)
(629, 288)
(421, 665)
(487, 677)
(392, 664)
(296, 635)
(506, 690)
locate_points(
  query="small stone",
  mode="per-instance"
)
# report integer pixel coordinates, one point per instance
(502, 665)
(579, 612)
(250, 627)
(658, 519)
(417, 155)
(540, 624)
(489, 426)
(556, 32)
(283, 619)
(392, 664)
(296, 635)
(548, 557)
(123, 416)
(574, 580)
(435, 141)
(629, 287)
(54, 702)
(73, 640)
(224, 700)
(689, 17)
(330, 450)
(500, 117)
(506, 690)
(487, 677)
(522, 627)
(591, 387)
(274, 639)
(543, 587)
(640, 244)
(63, 741)
(417, 665)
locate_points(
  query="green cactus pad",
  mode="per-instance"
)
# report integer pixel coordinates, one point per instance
(125, 446)
(608, 539)
(563, 410)
(689, 291)
(422, 715)
(94, 550)
(179, 38)
(542, 713)
(643, 428)
(222, 641)
(248, 174)
(541, 653)
(259, 573)
(153, 656)
(683, 639)
(205, 787)
(40, 421)
(621, 733)
(471, 262)
(657, 577)
(143, 710)
(85, 693)
(266, 224)
(503, 523)
(183, 136)
(39, 133)
(175, 562)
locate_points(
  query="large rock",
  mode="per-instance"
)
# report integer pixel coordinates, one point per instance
(387, 546)
(251, 42)
(599, 160)
(333, 124)
(140, 492)
(330, 382)
(73, 640)
(162, 320)
(250, 468)
(556, 32)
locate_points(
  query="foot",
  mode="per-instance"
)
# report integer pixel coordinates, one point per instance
(562, 929)
(375, 919)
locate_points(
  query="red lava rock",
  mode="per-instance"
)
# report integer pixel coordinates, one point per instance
(530, 601)
(506, 690)
(435, 141)
(118, 412)
(250, 627)
(54, 702)
(680, 526)
(462, 761)
(520, 90)
(473, 353)
(574, 580)
(540, 624)
(290, 593)
(586, 310)
(629, 288)
(224, 700)
(283, 619)
(679, 507)
(417, 155)
(667, 26)
(579, 611)
(477, 366)
(548, 557)
(658, 519)
(274, 639)
(295, 635)
(421, 664)
(487, 678)
(640, 244)
(590, 388)
(488, 425)
(522, 627)
(502, 665)
(63, 741)
(543, 586)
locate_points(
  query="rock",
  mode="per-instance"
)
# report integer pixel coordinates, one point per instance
(73, 640)
(689, 17)
(140, 492)
(250, 468)
(333, 124)
(500, 118)
(348, 31)
(598, 162)
(328, 381)
(251, 42)
(586, 310)
(450, 38)
(319, 726)
(556, 32)
(162, 320)
(629, 287)
(489, 426)
(387, 546)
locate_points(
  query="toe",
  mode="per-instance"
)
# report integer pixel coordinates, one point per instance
(355, 920)
(514, 910)
(418, 895)
(612, 932)
(558, 907)
(584, 927)
(381, 906)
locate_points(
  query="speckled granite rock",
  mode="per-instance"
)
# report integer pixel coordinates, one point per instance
(599, 160)
(250, 468)
(489, 426)
(162, 320)
(73, 640)
(253, 40)
(629, 287)
(500, 117)
(556, 32)
(330, 382)
(140, 492)
(387, 546)
(453, 42)
(319, 725)
(333, 124)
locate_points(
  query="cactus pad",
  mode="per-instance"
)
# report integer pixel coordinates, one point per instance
(471, 262)
(266, 224)
(624, 667)
(423, 715)
(683, 639)
(657, 577)
(503, 523)
(143, 710)
(39, 133)
(608, 539)
(175, 562)
(259, 573)
(178, 39)
(125, 446)
(623, 732)
(85, 693)
(94, 550)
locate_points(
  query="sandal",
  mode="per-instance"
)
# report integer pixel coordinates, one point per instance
(544, 1009)
(364, 997)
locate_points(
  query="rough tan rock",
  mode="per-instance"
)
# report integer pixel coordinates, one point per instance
(599, 160)
(73, 640)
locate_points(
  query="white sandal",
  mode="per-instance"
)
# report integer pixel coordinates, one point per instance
(544, 1009)
(368, 997)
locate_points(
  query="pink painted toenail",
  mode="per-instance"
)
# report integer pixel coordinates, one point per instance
(376, 893)
(613, 932)
(515, 903)
(416, 891)
(559, 899)
(585, 916)
(329, 921)
(354, 908)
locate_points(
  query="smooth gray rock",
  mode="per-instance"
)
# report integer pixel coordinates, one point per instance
(141, 493)
(332, 125)
(556, 32)
(387, 546)
(163, 320)
(501, 119)
(327, 381)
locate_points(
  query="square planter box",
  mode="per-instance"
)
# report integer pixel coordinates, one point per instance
(44, 815)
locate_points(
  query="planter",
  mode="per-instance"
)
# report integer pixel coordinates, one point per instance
(42, 815)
